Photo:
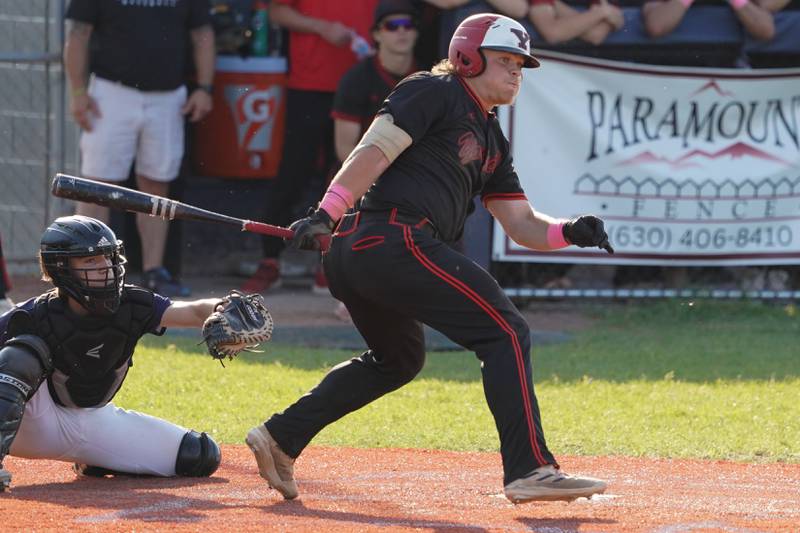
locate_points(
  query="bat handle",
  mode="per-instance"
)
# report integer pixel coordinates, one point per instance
(284, 233)
(267, 229)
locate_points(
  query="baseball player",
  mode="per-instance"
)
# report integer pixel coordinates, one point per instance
(435, 145)
(79, 338)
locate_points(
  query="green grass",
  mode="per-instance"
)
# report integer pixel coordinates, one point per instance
(717, 380)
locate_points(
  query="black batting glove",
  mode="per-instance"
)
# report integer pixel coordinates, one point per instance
(587, 231)
(310, 232)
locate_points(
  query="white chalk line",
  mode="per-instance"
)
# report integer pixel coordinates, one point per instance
(165, 511)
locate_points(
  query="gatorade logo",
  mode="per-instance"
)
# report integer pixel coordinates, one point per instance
(254, 109)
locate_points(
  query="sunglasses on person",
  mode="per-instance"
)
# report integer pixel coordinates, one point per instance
(396, 24)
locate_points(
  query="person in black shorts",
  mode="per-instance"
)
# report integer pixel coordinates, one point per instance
(434, 146)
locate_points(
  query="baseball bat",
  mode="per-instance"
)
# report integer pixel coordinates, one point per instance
(114, 196)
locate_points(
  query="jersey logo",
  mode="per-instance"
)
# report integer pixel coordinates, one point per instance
(95, 352)
(491, 164)
(468, 148)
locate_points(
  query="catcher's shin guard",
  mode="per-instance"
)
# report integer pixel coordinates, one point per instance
(198, 455)
(24, 361)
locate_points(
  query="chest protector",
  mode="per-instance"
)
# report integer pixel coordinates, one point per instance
(91, 355)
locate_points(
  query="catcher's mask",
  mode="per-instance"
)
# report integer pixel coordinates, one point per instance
(96, 288)
(487, 31)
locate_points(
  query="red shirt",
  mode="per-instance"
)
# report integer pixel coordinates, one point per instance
(314, 63)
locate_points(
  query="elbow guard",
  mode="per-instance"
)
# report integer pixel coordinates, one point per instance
(388, 138)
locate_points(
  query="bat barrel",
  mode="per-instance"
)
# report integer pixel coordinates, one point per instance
(106, 194)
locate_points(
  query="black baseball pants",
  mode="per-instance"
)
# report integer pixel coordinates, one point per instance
(393, 275)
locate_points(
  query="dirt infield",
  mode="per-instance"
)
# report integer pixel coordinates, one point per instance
(407, 490)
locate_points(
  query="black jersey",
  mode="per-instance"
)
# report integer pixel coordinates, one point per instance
(140, 43)
(362, 91)
(458, 151)
(91, 355)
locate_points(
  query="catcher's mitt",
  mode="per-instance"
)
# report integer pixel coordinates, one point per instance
(242, 324)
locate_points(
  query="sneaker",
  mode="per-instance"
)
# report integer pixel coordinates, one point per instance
(320, 286)
(273, 464)
(161, 281)
(5, 479)
(268, 275)
(547, 483)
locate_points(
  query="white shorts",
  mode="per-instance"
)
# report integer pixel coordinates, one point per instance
(106, 436)
(133, 124)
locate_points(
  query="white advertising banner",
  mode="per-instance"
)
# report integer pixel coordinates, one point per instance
(686, 166)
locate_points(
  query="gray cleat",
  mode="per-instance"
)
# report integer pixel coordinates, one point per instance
(547, 483)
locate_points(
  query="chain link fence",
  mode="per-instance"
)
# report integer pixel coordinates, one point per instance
(36, 138)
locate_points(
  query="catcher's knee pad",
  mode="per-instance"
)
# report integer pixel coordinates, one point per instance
(198, 455)
(24, 362)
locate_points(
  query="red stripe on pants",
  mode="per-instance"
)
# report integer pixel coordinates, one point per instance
(504, 325)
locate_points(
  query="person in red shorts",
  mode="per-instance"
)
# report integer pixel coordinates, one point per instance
(324, 39)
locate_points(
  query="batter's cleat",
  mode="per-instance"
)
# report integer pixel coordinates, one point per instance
(5, 479)
(273, 464)
(547, 483)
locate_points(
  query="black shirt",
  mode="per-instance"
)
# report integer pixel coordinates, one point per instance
(140, 43)
(362, 90)
(458, 151)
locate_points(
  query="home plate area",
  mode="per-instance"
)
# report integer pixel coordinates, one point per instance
(346, 489)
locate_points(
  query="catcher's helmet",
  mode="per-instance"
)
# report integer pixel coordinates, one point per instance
(487, 31)
(79, 236)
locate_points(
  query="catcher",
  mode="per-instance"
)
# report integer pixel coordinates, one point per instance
(79, 338)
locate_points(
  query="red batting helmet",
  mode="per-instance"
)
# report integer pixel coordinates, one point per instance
(492, 31)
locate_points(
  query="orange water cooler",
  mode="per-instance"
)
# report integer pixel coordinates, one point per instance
(242, 137)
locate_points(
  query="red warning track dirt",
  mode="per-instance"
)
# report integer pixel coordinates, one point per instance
(405, 490)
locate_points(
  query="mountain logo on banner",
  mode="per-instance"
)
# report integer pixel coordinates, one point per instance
(693, 158)
(712, 86)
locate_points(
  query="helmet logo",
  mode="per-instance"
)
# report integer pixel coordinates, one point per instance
(523, 37)
(103, 241)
